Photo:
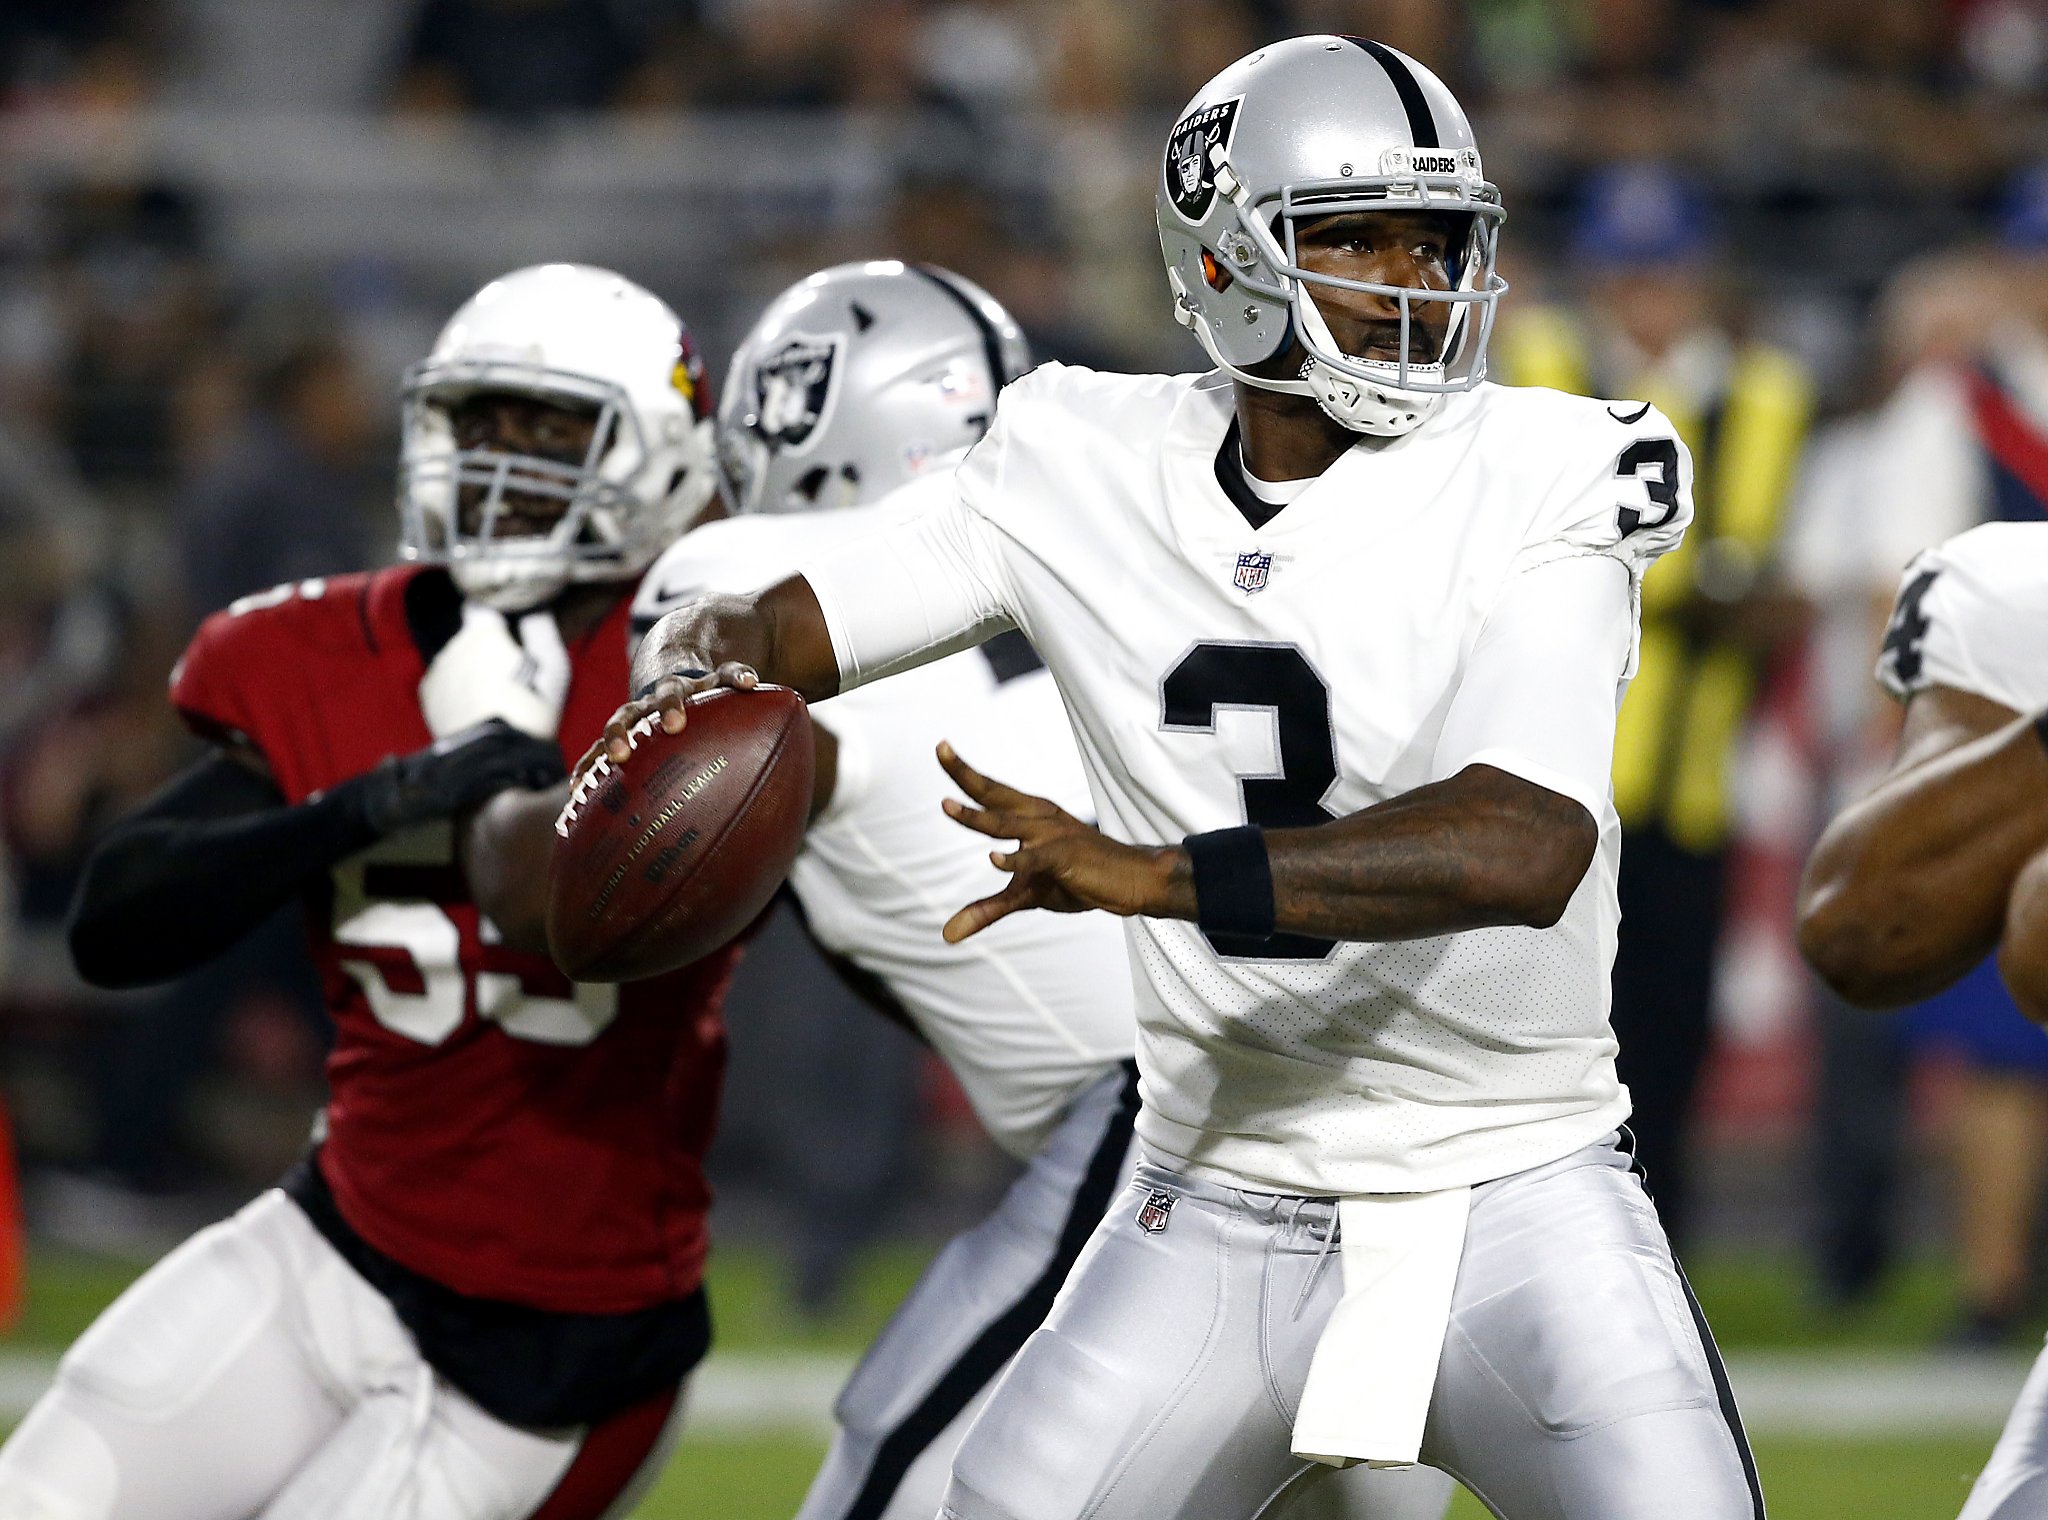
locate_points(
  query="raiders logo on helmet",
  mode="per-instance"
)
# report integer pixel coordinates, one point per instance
(1190, 177)
(793, 390)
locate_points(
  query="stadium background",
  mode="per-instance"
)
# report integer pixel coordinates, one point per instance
(226, 226)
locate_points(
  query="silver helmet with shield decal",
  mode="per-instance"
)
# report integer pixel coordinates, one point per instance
(517, 523)
(858, 378)
(1308, 128)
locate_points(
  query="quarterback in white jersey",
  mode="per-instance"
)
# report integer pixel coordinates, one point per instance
(1947, 858)
(1341, 631)
(844, 381)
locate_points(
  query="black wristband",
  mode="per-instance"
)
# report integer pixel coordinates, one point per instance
(1233, 880)
(2041, 728)
(687, 672)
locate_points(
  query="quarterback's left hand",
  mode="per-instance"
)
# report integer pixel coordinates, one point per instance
(1060, 864)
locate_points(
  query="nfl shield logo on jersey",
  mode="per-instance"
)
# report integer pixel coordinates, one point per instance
(1251, 572)
(1156, 1210)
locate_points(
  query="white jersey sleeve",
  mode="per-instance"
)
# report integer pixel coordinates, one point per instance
(1545, 679)
(1626, 497)
(1973, 615)
(1030, 1011)
(929, 585)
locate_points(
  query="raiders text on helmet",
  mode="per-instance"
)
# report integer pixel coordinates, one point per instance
(1305, 129)
(577, 337)
(857, 378)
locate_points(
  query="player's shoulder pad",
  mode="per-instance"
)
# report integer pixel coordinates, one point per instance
(1564, 422)
(1971, 614)
(1068, 395)
(734, 555)
(730, 554)
(1997, 556)
(1603, 476)
(258, 641)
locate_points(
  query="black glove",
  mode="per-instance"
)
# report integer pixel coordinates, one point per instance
(463, 771)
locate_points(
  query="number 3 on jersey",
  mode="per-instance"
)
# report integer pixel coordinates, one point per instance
(1275, 678)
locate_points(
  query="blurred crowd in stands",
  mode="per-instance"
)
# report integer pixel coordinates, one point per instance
(1814, 231)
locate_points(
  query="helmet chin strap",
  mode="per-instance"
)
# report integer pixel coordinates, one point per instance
(1385, 412)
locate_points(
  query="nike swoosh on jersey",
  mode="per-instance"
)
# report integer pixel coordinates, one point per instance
(1636, 416)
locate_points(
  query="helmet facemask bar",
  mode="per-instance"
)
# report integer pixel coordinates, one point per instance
(591, 540)
(1273, 272)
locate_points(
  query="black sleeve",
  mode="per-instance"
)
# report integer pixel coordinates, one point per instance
(199, 865)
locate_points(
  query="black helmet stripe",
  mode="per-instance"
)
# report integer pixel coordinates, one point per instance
(1421, 125)
(991, 340)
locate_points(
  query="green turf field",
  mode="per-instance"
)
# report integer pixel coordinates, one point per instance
(1803, 1480)
(1754, 1304)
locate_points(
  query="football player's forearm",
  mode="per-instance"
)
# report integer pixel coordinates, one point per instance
(779, 633)
(1481, 849)
(1907, 889)
(2023, 948)
(505, 847)
(195, 868)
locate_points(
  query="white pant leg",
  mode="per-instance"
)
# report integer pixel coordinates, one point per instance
(252, 1372)
(902, 1414)
(193, 1397)
(427, 1452)
(1164, 1382)
(1578, 1381)
(423, 1451)
(415, 1447)
(2014, 1483)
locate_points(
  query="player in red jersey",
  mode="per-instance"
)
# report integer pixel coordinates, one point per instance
(479, 1296)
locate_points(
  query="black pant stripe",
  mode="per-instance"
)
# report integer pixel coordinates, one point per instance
(991, 1351)
(1723, 1392)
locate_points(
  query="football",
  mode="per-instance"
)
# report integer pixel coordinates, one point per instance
(661, 860)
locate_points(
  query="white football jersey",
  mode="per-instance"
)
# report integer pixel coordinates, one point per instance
(1373, 636)
(1029, 1012)
(1973, 614)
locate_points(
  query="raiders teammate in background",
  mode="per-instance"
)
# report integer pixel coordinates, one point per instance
(1946, 860)
(1341, 631)
(478, 1299)
(866, 384)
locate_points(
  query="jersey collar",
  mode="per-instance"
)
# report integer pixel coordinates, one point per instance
(1230, 479)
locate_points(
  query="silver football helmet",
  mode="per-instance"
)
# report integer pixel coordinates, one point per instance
(577, 337)
(856, 379)
(1304, 129)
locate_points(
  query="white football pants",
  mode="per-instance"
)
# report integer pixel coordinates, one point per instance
(1577, 1380)
(915, 1394)
(2014, 1483)
(252, 1373)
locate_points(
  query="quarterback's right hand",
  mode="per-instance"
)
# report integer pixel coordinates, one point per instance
(453, 775)
(663, 701)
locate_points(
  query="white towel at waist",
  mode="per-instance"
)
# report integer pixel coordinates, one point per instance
(1374, 1369)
